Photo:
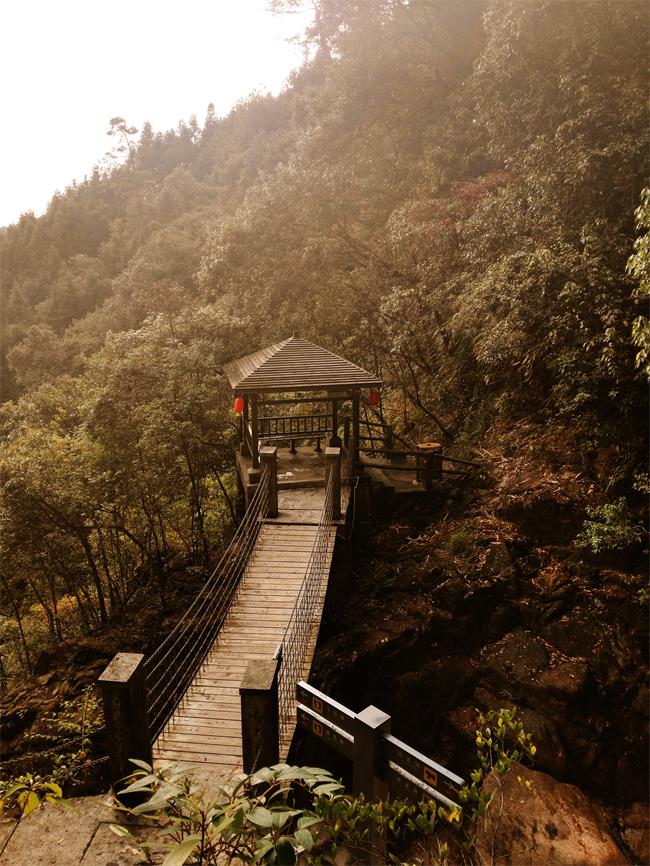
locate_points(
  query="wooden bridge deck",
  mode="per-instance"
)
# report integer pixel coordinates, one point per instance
(206, 728)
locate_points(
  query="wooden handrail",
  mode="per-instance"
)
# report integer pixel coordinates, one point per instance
(401, 467)
(292, 417)
(290, 401)
(409, 453)
(309, 436)
(398, 467)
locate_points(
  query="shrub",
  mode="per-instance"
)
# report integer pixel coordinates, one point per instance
(609, 527)
(253, 818)
(20, 796)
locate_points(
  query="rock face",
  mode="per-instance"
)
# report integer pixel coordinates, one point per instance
(487, 602)
(552, 824)
(534, 672)
(635, 830)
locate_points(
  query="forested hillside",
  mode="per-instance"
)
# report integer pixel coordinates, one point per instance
(445, 192)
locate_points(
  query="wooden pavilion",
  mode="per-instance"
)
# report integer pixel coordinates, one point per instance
(288, 374)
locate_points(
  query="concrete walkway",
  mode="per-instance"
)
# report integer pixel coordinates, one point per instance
(57, 836)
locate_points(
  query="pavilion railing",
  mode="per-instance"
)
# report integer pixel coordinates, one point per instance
(428, 461)
(294, 426)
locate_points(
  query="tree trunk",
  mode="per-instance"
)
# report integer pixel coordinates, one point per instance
(101, 599)
(19, 622)
(227, 498)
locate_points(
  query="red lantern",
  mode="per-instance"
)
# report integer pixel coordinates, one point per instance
(238, 405)
(374, 397)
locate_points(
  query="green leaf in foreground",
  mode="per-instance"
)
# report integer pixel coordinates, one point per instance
(182, 852)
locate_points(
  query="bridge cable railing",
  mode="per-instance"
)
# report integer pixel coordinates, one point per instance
(304, 616)
(171, 668)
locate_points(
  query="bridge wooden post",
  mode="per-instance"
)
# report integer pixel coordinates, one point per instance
(353, 453)
(269, 459)
(253, 479)
(124, 695)
(429, 463)
(388, 438)
(333, 470)
(335, 439)
(436, 464)
(259, 715)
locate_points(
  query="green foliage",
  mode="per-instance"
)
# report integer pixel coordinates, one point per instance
(257, 818)
(638, 266)
(609, 527)
(502, 743)
(64, 745)
(355, 824)
(462, 542)
(22, 795)
(113, 474)
(76, 720)
(253, 818)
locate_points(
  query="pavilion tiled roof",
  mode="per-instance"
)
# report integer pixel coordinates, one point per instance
(295, 365)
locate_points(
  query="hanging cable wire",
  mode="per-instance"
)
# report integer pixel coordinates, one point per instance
(174, 664)
(304, 617)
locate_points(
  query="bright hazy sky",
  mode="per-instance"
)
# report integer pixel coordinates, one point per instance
(68, 66)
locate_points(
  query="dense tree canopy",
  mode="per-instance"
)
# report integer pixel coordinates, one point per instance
(444, 191)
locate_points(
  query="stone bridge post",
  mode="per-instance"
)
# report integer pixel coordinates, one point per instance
(124, 694)
(259, 714)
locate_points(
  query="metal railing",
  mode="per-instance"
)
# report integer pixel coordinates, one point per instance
(299, 630)
(174, 664)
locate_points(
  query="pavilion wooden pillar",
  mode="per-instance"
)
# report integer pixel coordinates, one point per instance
(335, 439)
(354, 458)
(244, 450)
(255, 444)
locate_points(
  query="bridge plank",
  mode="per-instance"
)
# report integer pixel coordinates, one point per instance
(230, 739)
(206, 714)
(222, 766)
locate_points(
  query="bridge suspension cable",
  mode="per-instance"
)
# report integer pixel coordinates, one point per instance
(304, 616)
(173, 665)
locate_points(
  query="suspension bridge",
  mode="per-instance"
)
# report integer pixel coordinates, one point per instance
(264, 601)
(191, 700)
